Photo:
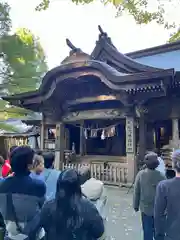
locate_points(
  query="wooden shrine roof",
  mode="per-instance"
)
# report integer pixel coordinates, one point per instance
(105, 51)
(115, 70)
(113, 79)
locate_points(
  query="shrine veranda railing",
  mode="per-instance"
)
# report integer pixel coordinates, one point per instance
(111, 175)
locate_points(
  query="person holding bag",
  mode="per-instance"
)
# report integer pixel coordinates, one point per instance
(21, 197)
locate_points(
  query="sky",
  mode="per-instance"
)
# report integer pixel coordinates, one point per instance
(80, 23)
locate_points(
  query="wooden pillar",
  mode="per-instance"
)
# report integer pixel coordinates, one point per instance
(175, 132)
(42, 133)
(82, 146)
(130, 147)
(59, 146)
(150, 143)
(142, 136)
(175, 143)
(141, 113)
(46, 144)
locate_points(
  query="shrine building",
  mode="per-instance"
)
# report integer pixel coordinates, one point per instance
(108, 105)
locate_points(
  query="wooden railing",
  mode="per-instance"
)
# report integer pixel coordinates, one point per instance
(111, 175)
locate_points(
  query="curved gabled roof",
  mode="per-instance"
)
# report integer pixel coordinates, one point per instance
(106, 51)
(112, 78)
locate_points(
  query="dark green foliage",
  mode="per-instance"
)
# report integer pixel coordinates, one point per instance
(22, 63)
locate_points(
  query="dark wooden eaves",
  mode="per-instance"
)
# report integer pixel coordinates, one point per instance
(24, 95)
(111, 77)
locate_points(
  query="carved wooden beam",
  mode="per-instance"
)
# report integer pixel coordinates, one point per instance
(163, 87)
(54, 113)
(144, 97)
(125, 98)
(94, 114)
(99, 98)
(129, 111)
(141, 110)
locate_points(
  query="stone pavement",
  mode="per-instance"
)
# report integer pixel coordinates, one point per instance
(123, 223)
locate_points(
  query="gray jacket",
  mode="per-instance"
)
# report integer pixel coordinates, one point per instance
(167, 210)
(145, 190)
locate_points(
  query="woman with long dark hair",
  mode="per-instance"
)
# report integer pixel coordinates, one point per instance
(70, 216)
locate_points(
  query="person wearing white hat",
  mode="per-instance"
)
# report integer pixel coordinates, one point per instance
(93, 190)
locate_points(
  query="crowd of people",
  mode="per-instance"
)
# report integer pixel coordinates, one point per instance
(40, 202)
(157, 196)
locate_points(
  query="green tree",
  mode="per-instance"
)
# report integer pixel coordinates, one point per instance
(22, 63)
(5, 21)
(175, 36)
(142, 11)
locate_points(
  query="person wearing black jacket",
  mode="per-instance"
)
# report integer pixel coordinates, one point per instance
(70, 216)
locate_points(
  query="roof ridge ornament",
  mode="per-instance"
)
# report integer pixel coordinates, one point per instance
(75, 55)
(102, 33)
(104, 36)
(72, 47)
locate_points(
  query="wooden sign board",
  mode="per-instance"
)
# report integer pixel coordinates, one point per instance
(130, 137)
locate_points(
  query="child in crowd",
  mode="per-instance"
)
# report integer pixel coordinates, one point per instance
(38, 167)
(50, 175)
(1, 164)
(6, 167)
(94, 191)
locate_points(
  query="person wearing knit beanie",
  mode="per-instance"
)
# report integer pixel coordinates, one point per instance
(144, 193)
(151, 160)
